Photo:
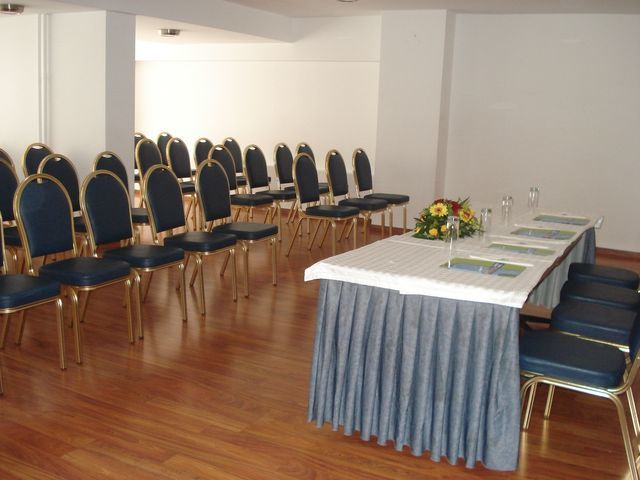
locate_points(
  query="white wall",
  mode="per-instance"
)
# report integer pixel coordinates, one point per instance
(412, 66)
(322, 89)
(552, 101)
(19, 106)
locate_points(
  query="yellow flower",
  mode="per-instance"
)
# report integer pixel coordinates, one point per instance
(438, 210)
(466, 215)
(433, 232)
(443, 228)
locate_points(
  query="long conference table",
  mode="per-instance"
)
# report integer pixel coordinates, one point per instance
(417, 349)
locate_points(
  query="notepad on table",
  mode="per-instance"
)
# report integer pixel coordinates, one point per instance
(566, 219)
(485, 267)
(546, 233)
(526, 249)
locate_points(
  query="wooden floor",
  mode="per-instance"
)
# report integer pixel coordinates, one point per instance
(225, 396)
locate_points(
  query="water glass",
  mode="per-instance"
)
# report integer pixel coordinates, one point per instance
(507, 209)
(485, 222)
(453, 233)
(534, 198)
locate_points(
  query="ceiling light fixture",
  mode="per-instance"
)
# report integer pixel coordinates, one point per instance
(347, 1)
(11, 8)
(168, 32)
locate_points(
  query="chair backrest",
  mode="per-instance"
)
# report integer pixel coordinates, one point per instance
(256, 167)
(178, 157)
(362, 170)
(3, 257)
(305, 177)
(61, 168)
(7, 158)
(202, 149)
(284, 163)
(137, 136)
(221, 154)
(8, 186)
(336, 174)
(110, 162)
(236, 152)
(212, 185)
(33, 156)
(44, 217)
(105, 203)
(303, 147)
(163, 141)
(147, 155)
(163, 198)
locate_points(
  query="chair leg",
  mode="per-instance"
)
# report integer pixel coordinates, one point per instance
(293, 237)
(390, 210)
(365, 228)
(382, 226)
(224, 264)
(355, 230)
(404, 218)
(547, 407)
(146, 287)
(73, 295)
(60, 328)
(86, 303)
(194, 275)
(182, 270)
(279, 214)
(634, 412)
(315, 233)
(327, 225)
(333, 237)
(345, 228)
(5, 328)
(20, 329)
(137, 288)
(628, 446)
(201, 283)
(531, 388)
(274, 262)
(234, 281)
(127, 286)
(245, 252)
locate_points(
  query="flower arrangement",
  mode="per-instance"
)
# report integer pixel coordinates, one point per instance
(432, 223)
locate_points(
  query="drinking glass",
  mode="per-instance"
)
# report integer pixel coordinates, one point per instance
(507, 209)
(453, 233)
(485, 223)
(534, 198)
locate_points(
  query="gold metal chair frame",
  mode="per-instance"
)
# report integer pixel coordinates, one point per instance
(198, 256)
(364, 214)
(136, 272)
(329, 221)
(191, 196)
(324, 197)
(26, 150)
(5, 157)
(72, 290)
(13, 250)
(22, 310)
(630, 444)
(244, 244)
(389, 207)
(140, 172)
(294, 206)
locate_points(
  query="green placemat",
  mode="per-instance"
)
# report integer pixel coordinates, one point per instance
(485, 267)
(523, 249)
(548, 233)
(567, 220)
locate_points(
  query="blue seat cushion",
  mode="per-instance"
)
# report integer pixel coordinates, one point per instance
(248, 230)
(332, 211)
(139, 215)
(188, 187)
(280, 194)
(592, 320)
(601, 293)
(251, 199)
(392, 198)
(570, 358)
(85, 271)
(366, 204)
(78, 225)
(200, 241)
(588, 272)
(17, 290)
(146, 256)
(12, 237)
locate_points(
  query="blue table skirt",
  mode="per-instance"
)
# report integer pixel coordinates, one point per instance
(434, 374)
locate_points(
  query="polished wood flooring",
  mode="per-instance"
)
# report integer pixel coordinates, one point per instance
(225, 396)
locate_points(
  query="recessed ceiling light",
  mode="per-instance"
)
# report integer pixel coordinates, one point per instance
(168, 32)
(347, 1)
(11, 8)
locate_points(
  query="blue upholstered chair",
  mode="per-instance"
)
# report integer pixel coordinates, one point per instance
(112, 163)
(163, 142)
(255, 166)
(601, 293)
(339, 188)
(236, 153)
(147, 155)
(61, 168)
(283, 159)
(19, 293)
(180, 163)
(33, 156)
(576, 364)
(591, 273)
(105, 203)
(241, 201)
(304, 147)
(8, 187)
(305, 178)
(364, 184)
(137, 137)
(4, 156)
(163, 198)
(212, 185)
(201, 150)
(45, 220)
